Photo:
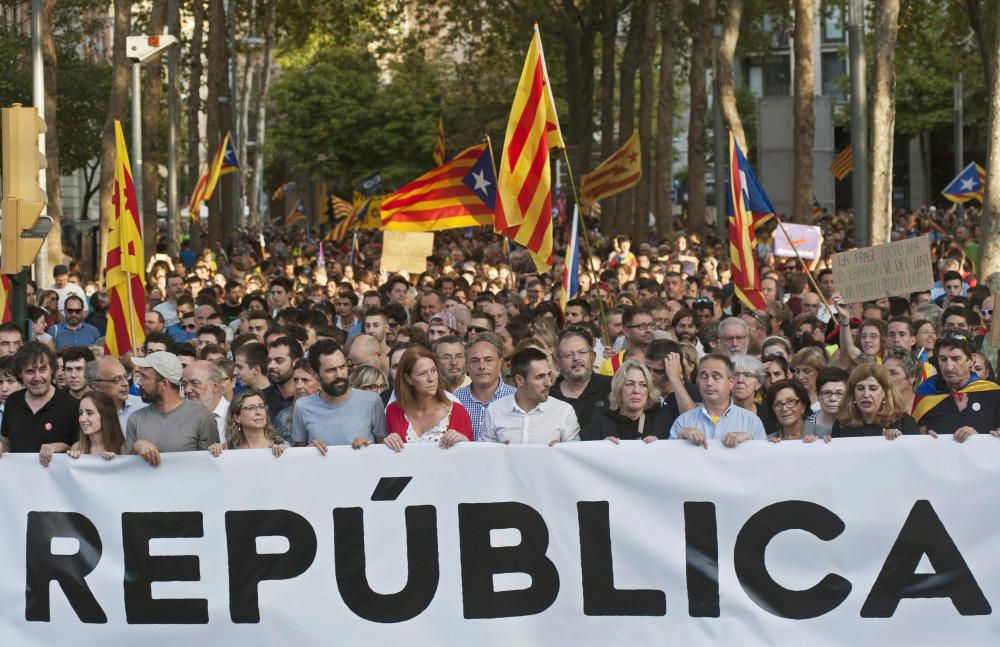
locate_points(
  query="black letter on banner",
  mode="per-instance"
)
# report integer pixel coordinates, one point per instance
(68, 570)
(142, 569)
(751, 543)
(600, 597)
(481, 561)
(422, 570)
(702, 538)
(923, 533)
(248, 568)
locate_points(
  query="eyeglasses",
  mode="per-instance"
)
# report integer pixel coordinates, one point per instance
(744, 376)
(118, 379)
(987, 311)
(831, 394)
(75, 311)
(578, 354)
(870, 336)
(702, 301)
(189, 326)
(452, 358)
(787, 404)
(732, 339)
(253, 408)
(643, 326)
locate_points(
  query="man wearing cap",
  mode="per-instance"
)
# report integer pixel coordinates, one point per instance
(64, 288)
(171, 423)
(440, 325)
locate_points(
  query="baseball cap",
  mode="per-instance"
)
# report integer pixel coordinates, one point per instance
(445, 319)
(164, 363)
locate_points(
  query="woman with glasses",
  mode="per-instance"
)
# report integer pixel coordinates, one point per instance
(805, 366)
(831, 385)
(368, 378)
(789, 403)
(247, 426)
(905, 374)
(871, 407)
(422, 412)
(633, 401)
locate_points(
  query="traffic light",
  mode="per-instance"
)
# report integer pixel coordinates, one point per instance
(24, 228)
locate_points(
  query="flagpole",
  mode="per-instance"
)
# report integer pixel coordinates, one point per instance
(590, 266)
(131, 313)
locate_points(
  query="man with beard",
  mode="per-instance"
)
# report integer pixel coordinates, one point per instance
(282, 353)
(40, 417)
(74, 331)
(171, 423)
(337, 414)
(450, 353)
(577, 384)
(202, 384)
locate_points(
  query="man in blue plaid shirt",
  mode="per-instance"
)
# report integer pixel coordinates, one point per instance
(483, 358)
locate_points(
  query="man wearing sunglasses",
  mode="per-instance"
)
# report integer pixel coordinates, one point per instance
(639, 332)
(74, 331)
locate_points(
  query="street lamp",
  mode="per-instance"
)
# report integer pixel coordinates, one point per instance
(141, 49)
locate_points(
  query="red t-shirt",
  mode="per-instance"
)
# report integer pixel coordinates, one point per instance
(396, 422)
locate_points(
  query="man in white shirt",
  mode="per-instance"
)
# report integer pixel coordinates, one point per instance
(202, 383)
(529, 415)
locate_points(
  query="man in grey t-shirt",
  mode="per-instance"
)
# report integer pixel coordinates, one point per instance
(337, 414)
(171, 423)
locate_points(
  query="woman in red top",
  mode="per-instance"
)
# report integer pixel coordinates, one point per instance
(422, 411)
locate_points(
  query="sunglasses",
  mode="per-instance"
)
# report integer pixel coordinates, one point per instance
(75, 311)
(189, 326)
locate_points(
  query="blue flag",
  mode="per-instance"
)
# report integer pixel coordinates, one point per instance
(968, 185)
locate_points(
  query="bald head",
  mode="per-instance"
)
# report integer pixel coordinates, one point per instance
(107, 375)
(365, 349)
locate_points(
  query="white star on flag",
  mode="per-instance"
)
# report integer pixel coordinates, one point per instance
(967, 184)
(481, 182)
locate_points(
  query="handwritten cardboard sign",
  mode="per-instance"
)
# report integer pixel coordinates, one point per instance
(808, 239)
(892, 269)
(406, 250)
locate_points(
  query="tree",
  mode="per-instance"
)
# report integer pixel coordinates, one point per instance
(609, 37)
(669, 39)
(882, 119)
(701, 44)
(217, 115)
(53, 187)
(985, 23)
(640, 222)
(731, 19)
(263, 85)
(626, 107)
(194, 108)
(804, 112)
(991, 201)
(117, 104)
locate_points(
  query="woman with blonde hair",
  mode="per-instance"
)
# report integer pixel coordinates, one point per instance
(368, 378)
(422, 412)
(247, 426)
(870, 407)
(633, 401)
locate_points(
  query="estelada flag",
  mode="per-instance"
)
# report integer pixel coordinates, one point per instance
(621, 171)
(126, 273)
(461, 193)
(968, 185)
(524, 184)
(749, 207)
(225, 162)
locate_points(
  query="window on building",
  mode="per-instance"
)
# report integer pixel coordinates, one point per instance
(777, 77)
(834, 69)
(833, 25)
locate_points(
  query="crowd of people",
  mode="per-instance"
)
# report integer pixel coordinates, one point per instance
(262, 347)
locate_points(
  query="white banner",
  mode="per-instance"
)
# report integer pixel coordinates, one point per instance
(860, 542)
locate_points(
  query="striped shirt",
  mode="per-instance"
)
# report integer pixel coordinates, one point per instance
(477, 409)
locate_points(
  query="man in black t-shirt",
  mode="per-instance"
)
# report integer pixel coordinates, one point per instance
(39, 418)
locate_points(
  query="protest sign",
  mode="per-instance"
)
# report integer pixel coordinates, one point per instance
(406, 250)
(892, 269)
(808, 239)
(856, 542)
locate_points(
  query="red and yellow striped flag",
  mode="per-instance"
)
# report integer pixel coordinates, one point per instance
(843, 163)
(198, 197)
(615, 174)
(126, 272)
(524, 188)
(461, 193)
(341, 208)
(439, 146)
(5, 288)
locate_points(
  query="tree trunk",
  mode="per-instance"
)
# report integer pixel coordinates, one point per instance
(578, 35)
(251, 65)
(194, 111)
(701, 44)
(214, 131)
(640, 223)
(152, 111)
(609, 37)
(883, 119)
(727, 85)
(991, 202)
(256, 163)
(117, 107)
(985, 25)
(804, 113)
(665, 119)
(626, 109)
(53, 188)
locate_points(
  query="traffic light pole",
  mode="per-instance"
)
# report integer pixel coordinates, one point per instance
(19, 301)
